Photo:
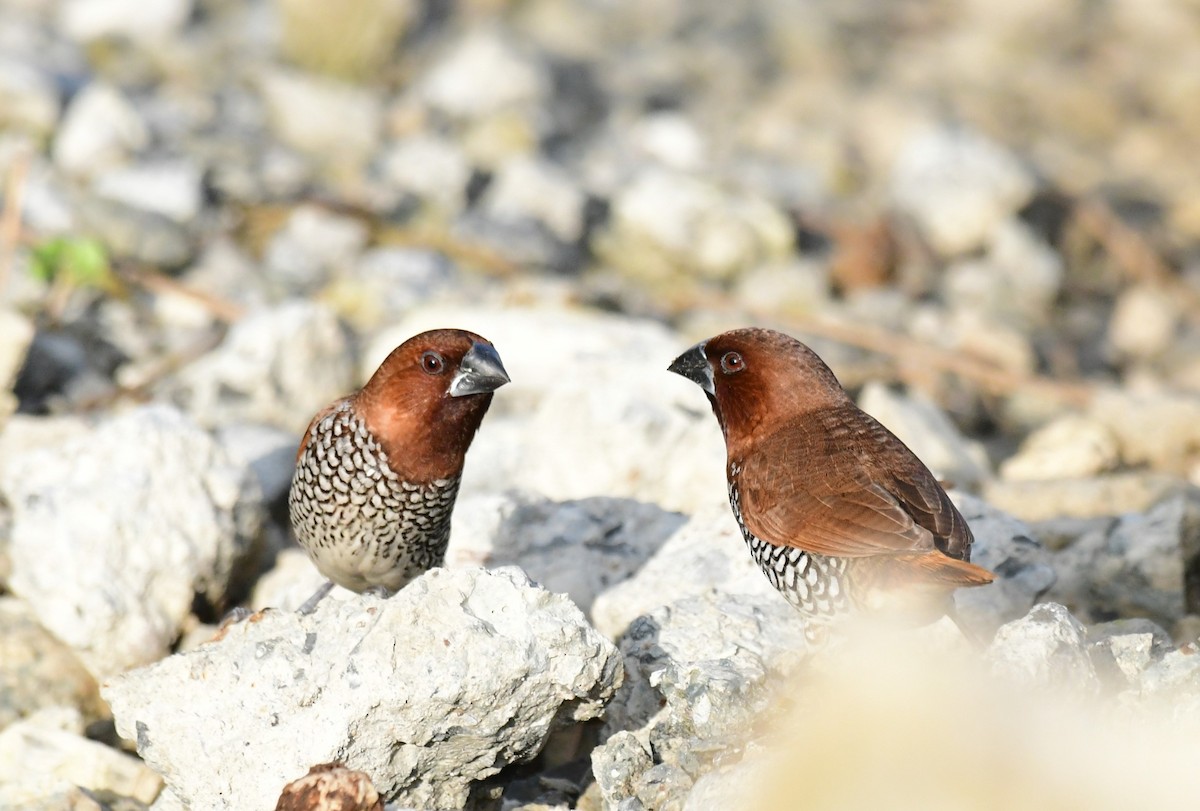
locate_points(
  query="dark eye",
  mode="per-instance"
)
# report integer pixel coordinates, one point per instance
(732, 363)
(433, 363)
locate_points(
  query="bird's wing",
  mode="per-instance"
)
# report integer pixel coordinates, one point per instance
(849, 490)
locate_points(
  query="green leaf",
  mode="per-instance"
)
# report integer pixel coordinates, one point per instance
(79, 261)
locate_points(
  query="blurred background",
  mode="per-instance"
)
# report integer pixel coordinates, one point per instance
(1002, 193)
(985, 216)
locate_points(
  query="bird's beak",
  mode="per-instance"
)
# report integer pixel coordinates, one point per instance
(693, 365)
(480, 372)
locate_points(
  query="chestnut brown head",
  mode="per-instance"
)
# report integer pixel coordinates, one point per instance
(754, 376)
(428, 398)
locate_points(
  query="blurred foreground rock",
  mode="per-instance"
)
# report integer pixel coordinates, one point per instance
(459, 675)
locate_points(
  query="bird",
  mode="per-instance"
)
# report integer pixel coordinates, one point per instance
(378, 471)
(840, 515)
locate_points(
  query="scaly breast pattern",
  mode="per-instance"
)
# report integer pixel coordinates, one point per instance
(363, 525)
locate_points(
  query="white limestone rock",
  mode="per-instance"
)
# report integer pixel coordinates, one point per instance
(100, 129)
(958, 186)
(457, 676)
(277, 366)
(116, 531)
(1046, 647)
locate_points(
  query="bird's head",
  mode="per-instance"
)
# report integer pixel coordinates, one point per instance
(427, 399)
(758, 378)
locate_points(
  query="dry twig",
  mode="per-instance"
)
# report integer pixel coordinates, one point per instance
(989, 377)
(151, 280)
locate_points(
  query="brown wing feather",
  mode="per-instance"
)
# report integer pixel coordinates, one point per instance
(848, 488)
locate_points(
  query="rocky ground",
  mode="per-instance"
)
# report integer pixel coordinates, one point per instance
(218, 216)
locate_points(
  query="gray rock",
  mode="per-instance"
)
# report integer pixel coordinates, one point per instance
(705, 555)
(224, 269)
(37, 670)
(621, 430)
(115, 533)
(959, 187)
(522, 242)
(1072, 446)
(169, 188)
(1122, 650)
(100, 129)
(697, 675)
(278, 366)
(1006, 547)
(482, 74)
(1159, 430)
(314, 246)
(331, 121)
(1090, 497)
(800, 286)
(88, 20)
(28, 98)
(618, 765)
(1132, 566)
(530, 189)
(1144, 321)
(1046, 647)
(269, 452)
(672, 139)
(458, 675)
(665, 226)
(388, 282)
(926, 429)
(38, 762)
(1173, 683)
(47, 209)
(1015, 282)
(433, 169)
(580, 548)
(126, 231)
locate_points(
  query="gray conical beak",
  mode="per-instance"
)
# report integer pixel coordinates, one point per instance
(480, 372)
(693, 365)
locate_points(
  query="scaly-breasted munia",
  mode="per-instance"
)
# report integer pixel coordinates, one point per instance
(838, 512)
(378, 471)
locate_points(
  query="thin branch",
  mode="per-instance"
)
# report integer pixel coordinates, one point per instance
(989, 377)
(1128, 247)
(220, 308)
(153, 374)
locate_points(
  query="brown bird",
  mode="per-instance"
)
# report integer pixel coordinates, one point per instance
(839, 514)
(377, 472)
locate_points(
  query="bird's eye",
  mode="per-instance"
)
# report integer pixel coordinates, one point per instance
(732, 363)
(433, 363)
